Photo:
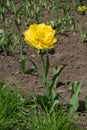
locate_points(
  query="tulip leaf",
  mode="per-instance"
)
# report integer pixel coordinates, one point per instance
(56, 72)
(37, 70)
(76, 87)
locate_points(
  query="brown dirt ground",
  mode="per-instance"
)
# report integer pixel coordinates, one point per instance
(69, 51)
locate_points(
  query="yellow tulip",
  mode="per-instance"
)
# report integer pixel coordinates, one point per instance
(82, 8)
(40, 36)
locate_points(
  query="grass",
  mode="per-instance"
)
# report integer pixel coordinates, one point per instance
(11, 107)
(15, 114)
(55, 121)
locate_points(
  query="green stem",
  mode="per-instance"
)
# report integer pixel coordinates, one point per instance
(44, 69)
(42, 59)
(45, 66)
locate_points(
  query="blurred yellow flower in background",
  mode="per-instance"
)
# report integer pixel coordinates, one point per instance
(82, 8)
(40, 36)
